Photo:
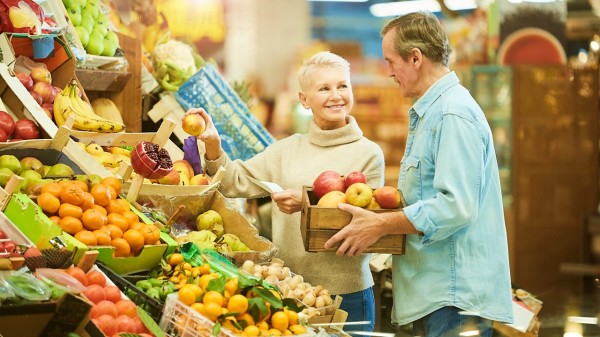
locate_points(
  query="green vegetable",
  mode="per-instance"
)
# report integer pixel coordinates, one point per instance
(154, 293)
(143, 284)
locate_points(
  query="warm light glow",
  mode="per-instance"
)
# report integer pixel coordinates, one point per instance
(541, 1)
(469, 333)
(583, 320)
(405, 7)
(594, 45)
(572, 334)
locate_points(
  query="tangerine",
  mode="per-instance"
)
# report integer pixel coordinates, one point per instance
(122, 248)
(78, 274)
(67, 209)
(82, 184)
(102, 236)
(48, 202)
(72, 193)
(135, 239)
(93, 219)
(151, 234)
(87, 237)
(117, 206)
(88, 201)
(100, 208)
(103, 194)
(55, 219)
(186, 295)
(131, 216)
(280, 321)
(96, 277)
(238, 303)
(212, 310)
(213, 296)
(114, 231)
(52, 187)
(138, 225)
(114, 182)
(118, 220)
(70, 225)
(126, 307)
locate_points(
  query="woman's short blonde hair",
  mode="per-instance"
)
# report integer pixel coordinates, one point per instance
(317, 61)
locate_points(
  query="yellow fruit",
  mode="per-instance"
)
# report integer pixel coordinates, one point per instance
(297, 329)
(212, 310)
(292, 316)
(280, 321)
(251, 330)
(275, 332)
(238, 303)
(213, 297)
(187, 296)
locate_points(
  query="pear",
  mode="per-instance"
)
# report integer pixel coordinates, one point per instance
(32, 163)
(30, 177)
(5, 174)
(233, 242)
(210, 220)
(60, 170)
(94, 179)
(11, 162)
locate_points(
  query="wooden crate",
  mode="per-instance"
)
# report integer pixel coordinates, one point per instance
(318, 224)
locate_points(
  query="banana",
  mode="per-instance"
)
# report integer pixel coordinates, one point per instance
(61, 101)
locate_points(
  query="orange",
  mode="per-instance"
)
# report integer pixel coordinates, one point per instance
(131, 216)
(118, 220)
(238, 303)
(82, 184)
(93, 219)
(280, 321)
(70, 225)
(245, 317)
(114, 231)
(113, 182)
(135, 239)
(86, 237)
(103, 194)
(52, 187)
(77, 273)
(72, 193)
(213, 296)
(186, 295)
(88, 201)
(151, 234)
(48, 202)
(100, 208)
(212, 310)
(102, 237)
(67, 209)
(122, 248)
(55, 219)
(117, 206)
(138, 225)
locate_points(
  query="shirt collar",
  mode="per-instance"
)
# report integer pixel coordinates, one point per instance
(434, 92)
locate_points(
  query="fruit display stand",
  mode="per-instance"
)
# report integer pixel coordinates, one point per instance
(318, 224)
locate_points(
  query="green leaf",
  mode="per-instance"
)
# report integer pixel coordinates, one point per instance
(247, 281)
(150, 323)
(268, 296)
(257, 308)
(291, 304)
(216, 329)
(217, 284)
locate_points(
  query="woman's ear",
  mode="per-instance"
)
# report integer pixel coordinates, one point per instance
(303, 100)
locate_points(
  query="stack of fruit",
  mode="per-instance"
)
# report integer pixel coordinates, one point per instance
(39, 84)
(92, 27)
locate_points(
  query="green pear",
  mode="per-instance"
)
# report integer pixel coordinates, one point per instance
(95, 44)
(83, 177)
(87, 22)
(74, 15)
(83, 34)
(94, 179)
(5, 174)
(60, 170)
(71, 4)
(32, 163)
(11, 162)
(46, 169)
(29, 177)
(210, 220)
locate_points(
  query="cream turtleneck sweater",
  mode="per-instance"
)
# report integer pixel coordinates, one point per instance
(294, 162)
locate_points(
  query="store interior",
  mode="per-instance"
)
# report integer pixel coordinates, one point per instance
(532, 65)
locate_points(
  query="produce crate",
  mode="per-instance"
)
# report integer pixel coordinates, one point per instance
(13, 233)
(319, 224)
(153, 307)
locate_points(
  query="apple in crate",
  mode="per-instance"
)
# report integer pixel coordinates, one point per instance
(359, 194)
(387, 197)
(354, 177)
(332, 199)
(326, 182)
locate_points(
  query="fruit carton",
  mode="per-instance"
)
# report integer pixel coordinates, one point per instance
(13, 233)
(319, 224)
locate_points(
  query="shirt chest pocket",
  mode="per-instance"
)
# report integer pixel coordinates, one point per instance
(411, 185)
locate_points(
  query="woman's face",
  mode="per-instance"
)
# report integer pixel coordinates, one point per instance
(329, 97)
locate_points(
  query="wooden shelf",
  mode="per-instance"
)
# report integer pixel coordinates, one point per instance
(102, 80)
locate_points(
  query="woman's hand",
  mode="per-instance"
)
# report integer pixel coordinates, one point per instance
(210, 136)
(288, 201)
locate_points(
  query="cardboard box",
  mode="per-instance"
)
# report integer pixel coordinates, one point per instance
(319, 224)
(25, 319)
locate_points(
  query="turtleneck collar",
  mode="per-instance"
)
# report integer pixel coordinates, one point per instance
(349, 133)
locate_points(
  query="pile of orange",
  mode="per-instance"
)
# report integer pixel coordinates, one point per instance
(96, 216)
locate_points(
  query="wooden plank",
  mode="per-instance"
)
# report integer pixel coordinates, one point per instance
(102, 80)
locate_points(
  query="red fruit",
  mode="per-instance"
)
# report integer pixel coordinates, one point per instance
(25, 79)
(32, 252)
(45, 90)
(150, 161)
(354, 177)
(126, 307)
(3, 136)
(26, 129)
(41, 74)
(78, 274)
(96, 277)
(2, 235)
(104, 308)
(7, 123)
(326, 182)
(126, 324)
(113, 294)
(10, 246)
(387, 197)
(94, 293)
(193, 124)
(37, 97)
(107, 324)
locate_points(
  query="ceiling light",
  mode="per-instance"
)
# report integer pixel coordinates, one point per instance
(405, 7)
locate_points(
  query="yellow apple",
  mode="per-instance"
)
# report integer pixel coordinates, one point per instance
(332, 199)
(359, 194)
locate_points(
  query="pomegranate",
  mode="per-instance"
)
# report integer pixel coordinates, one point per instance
(150, 161)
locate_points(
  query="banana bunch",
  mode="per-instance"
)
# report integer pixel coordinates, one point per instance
(68, 102)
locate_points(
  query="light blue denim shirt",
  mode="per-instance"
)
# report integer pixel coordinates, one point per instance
(450, 184)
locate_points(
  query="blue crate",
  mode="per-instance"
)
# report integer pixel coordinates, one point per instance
(242, 134)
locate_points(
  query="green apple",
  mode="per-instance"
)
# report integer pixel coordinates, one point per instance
(5, 174)
(87, 21)
(74, 15)
(95, 44)
(91, 11)
(10, 162)
(71, 4)
(83, 34)
(100, 28)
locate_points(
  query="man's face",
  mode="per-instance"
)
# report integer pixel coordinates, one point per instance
(405, 73)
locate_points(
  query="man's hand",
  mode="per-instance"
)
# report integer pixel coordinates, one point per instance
(288, 201)
(363, 230)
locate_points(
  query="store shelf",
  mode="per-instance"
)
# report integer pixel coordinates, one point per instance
(102, 80)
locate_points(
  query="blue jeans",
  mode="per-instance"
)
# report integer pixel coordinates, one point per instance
(449, 322)
(360, 306)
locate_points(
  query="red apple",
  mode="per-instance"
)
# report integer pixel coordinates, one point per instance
(172, 178)
(41, 74)
(26, 129)
(199, 179)
(9, 246)
(332, 199)
(48, 109)
(46, 91)
(7, 123)
(359, 194)
(193, 124)
(326, 182)
(25, 79)
(2, 235)
(387, 197)
(354, 177)
(3, 136)
(37, 97)
(183, 167)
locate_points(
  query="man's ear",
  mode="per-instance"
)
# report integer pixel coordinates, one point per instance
(416, 56)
